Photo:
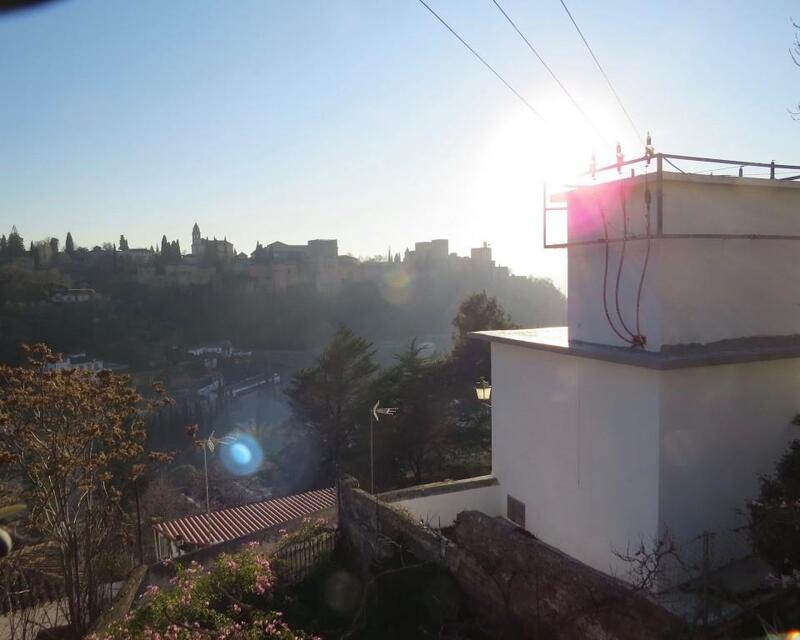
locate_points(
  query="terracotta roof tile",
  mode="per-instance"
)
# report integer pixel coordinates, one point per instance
(236, 522)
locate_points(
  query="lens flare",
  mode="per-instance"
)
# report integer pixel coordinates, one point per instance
(243, 455)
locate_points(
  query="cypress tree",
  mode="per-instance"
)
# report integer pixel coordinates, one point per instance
(16, 245)
(69, 245)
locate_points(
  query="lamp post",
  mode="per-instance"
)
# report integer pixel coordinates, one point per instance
(373, 418)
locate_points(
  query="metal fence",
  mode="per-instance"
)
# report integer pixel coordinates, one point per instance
(296, 560)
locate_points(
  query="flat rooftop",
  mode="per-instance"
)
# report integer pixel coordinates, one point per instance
(739, 350)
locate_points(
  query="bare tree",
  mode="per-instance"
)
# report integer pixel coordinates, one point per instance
(77, 438)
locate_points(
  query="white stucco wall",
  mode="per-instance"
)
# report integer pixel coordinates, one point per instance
(577, 441)
(721, 427)
(696, 290)
(440, 510)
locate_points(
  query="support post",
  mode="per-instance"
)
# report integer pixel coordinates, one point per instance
(371, 457)
(660, 195)
(544, 215)
(205, 468)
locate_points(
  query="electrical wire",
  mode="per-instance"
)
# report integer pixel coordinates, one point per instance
(553, 75)
(486, 64)
(621, 262)
(675, 166)
(605, 280)
(641, 340)
(602, 71)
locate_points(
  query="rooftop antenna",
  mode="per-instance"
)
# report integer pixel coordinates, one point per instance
(620, 157)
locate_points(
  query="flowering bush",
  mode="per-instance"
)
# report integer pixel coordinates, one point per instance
(229, 601)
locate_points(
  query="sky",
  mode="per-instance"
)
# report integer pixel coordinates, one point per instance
(365, 120)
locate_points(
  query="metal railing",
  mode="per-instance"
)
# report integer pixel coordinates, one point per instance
(296, 560)
(692, 165)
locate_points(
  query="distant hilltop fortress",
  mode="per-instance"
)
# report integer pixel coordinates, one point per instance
(274, 267)
(278, 266)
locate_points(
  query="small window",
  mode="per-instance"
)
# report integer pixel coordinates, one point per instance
(516, 511)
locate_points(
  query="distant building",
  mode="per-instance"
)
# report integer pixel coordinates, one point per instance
(482, 254)
(82, 362)
(315, 264)
(139, 255)
(212, 250)
(68, 296)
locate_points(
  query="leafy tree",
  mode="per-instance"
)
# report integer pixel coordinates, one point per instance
(16, 245)
(77, 438)
(123, 243)
(775, 515)
(419, 432)
(471, 358)
(54, 245)
(69, 245)
(328, 398)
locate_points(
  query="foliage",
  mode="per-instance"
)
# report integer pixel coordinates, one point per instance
(440, 429)
(775, 515)
(232, 599)
(478, 312)
(77, 438)
(327, 397)
(413, 441)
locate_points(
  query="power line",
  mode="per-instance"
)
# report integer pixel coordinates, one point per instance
(486, 64)
(553, 75)
(599, 66)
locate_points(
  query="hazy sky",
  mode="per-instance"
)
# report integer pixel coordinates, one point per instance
(363, 120)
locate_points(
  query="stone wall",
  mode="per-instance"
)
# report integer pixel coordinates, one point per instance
(515, 580)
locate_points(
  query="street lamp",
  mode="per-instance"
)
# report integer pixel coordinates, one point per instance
(373, 417)
(483, 390)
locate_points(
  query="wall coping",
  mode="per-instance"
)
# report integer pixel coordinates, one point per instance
(681, 356)
(438, 488)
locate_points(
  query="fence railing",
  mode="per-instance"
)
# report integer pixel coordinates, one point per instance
(296, 560)
(654, 166)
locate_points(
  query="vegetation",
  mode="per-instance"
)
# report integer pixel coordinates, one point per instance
(326, 398)
(232, 599)
(139, 322)
(775, 515)
(76, 438)
(439, 431)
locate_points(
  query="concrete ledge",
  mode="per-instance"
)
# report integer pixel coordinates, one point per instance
(733, 351)
(437, 488)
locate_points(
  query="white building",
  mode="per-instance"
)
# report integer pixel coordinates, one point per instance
(598, 445)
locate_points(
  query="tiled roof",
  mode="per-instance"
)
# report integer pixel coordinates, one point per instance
(236, 522)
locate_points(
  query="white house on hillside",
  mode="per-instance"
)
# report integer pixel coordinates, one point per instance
(654, 414)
